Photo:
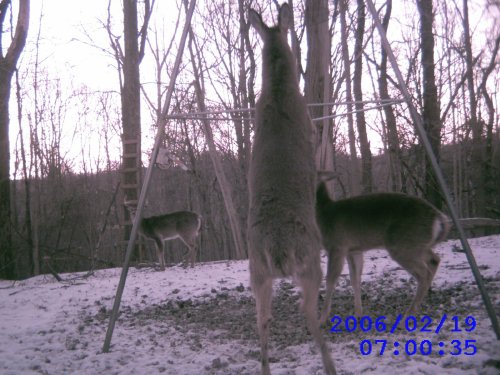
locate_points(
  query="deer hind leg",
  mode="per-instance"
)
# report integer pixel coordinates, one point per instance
(160, 254)
(262, 288)
(355, 262)
(422, 268)
(310, 281)
(190, 253)
(334, 268)
(193, 255)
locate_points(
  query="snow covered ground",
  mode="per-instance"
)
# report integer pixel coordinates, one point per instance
(202, 321)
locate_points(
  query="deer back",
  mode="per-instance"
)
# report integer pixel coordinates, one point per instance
(183, 224)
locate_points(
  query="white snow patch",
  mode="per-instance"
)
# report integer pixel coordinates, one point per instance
(49, 327)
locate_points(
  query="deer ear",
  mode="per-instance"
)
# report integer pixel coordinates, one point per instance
(255, 20)
(285, 18)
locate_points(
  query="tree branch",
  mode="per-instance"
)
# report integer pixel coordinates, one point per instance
(19, 40)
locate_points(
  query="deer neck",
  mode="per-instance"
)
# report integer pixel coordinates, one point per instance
(279, 73)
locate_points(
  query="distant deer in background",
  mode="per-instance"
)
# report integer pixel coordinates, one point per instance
(408, 227)
(284, 240)
(184, 225)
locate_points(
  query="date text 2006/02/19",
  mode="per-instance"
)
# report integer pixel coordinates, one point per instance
(382, 324)
(425, 324)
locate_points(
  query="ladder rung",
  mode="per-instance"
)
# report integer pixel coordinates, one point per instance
(130, 170)
(130, 141)
(129, 186)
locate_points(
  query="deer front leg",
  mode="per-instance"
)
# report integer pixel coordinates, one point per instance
(334, 268)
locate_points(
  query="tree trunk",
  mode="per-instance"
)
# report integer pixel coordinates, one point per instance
(7, 68)
(478, 167)
(430, 112)
(7, 267)
(245, 90)
(131, 104)
(364, 144)
(34, 264)
(246, 100)
(390, 119)
(131, 108)
(317, 88)
(490, 188)
(354, 177)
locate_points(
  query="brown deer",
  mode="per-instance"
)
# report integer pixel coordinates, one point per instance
(184, 225)
(408, 227)
(284, 240)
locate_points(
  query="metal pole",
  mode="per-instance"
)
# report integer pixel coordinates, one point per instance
(147, 179)
(437, 170)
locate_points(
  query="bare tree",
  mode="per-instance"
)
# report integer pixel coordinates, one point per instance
(344, 34)
(397, 179)
(8, 64)
(129, 59)
(317, 87)
(232, 78)
(221, 177)
(364, 144)
(430, 112)
(490, 187)
(483, 193)
(26, 176)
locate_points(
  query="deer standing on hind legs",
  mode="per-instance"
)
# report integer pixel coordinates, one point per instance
(184, 225)
(284, 240)
(408, 227)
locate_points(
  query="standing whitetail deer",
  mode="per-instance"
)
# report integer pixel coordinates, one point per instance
(284, 240)
(407, 227)
(180, 224)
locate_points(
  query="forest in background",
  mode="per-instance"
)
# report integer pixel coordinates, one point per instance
(63, 211)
